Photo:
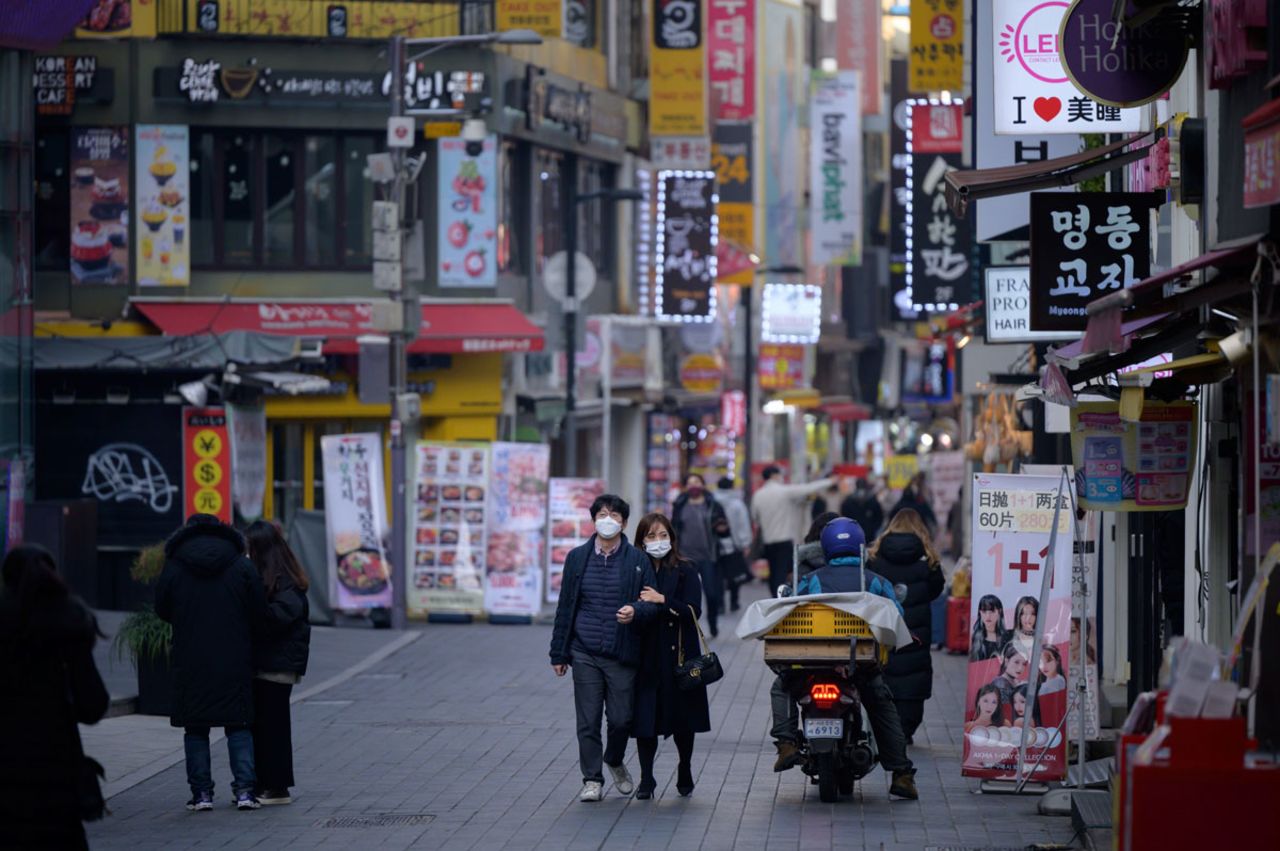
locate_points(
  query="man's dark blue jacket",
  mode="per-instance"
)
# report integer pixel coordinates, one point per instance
(635, 571)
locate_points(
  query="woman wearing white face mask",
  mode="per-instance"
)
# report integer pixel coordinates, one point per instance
(662, 708)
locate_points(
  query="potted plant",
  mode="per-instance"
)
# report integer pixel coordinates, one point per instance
(147, 639)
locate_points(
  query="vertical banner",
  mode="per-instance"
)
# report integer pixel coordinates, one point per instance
(677, 70)
(355, 519)
(99, 205)
(517, 528)
(937, 46)
(1127, 466)
(1012, 522)
(542, 16)
(784, 85)
(731, 46)
(467, 215)
(835, 160)
(569, 509)
(161, 200)
(946, 479)
(899, 198)
(938, 265)
(858, 45)
(732, 152)
(685, 248)
(247, 425)
(449, 542)
(1084, 636)
(206, 454)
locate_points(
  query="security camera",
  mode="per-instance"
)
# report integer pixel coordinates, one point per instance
(474, 133)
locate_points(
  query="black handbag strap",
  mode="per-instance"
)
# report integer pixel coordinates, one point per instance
(702, 639)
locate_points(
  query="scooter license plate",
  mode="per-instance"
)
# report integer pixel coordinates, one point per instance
(824, 728)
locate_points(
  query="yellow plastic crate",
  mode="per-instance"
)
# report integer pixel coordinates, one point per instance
(814, 620)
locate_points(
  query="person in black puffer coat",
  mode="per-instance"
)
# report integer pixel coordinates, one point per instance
(905, 556)
(279, 659)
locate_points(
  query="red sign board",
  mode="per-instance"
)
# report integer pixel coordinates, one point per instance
(731, 60)
(937, 129)
(206, 463)
(1261, 156)
(733, 412)
(781, 366)
(858, 39)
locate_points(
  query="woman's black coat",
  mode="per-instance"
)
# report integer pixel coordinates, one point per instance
(661, 708)
(51, 683)
(286, 642)
(901, 559)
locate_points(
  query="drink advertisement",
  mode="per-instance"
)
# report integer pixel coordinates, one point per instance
(161, 195)
(518, 524)
(449, 542)
(355, 519)
(569, 507)
(206, 454)
(1013, 517)
(1126, 466)
(468, 215)
(99, 205)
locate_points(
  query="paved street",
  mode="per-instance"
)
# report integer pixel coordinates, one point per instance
(464, 739)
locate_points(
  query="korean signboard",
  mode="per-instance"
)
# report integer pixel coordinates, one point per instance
(59, 80)
(937, 46)
(1083, 246)
(541, 16)
(449, 541)
(731, 51)
(206, 456)
(1126, 466)
(835, 160)
(99, 205)
(1033, 94)
(518, 474)
(780, 366)
(731, 158)
(938, 265)
(355, 519)
(1013, 519)
(685, 246)
(467, 215)
(1008, 306)
(677, 69)
(791, 313)
(569, 509)
(161, 199)
(1122, 65)
(858, 40)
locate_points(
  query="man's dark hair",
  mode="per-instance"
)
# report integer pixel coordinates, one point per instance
(612, 502)
(701, 481)
(203, 519)
(819, 523)
(725, 483)
(770, 471)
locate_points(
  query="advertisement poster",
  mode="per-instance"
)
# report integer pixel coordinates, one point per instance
(835, 161)
(791, 313)
(162, 201)
(449, 541)
(858, 46)
(99, 205)
(206, 463)
(937, 46)
(732, 152)
(355, 518)
(569, 520)
(685, 249)
(938, 264)
(517, 528)
(1011, 525)
(468, 215)
(946, 475)
(731, 48)
(678, 69)
(247, 425)
(662, 462)
(784, 84)
(1142, 466)
(541, 16)
(117, 19)
(780, 366)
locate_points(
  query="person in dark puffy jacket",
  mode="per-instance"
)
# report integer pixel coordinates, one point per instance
(279, 659)
(809, 554)
(904, 555)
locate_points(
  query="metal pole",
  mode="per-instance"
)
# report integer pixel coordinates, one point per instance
(571, 319)
(399, 369)
(606, 380)
(748, 380)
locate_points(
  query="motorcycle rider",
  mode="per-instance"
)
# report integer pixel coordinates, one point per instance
(842, 545)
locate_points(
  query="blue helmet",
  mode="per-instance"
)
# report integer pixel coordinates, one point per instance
(842, 537)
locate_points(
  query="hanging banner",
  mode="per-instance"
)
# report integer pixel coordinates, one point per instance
(517, 528)
(570, 524)
(467, 215)
(784, 87)
(449, 544)
(355, 519)
(99, 205)
(162, 201)
(937, 46)
(685, 249)
(1126, 466)
(1083, 246)
(1012, 520)
(835, 161)
(938, 266)
(247, 426)
(899, 470)
(947, 472)
(541, 16)
(677, 70)
(731, 46)
(858, 44)
(732, 152)
(1033, 94)
(206, 457)
(780, 366)
(1086, 566)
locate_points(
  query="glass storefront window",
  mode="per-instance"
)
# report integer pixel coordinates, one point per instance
(548, 205)
(357, 200)
(279, 188)
(203, 165)
(511, 199)
(321, 194)
(52, 200)
(595, 218)
(237, 201)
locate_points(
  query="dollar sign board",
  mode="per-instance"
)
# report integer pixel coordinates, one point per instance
(207, 463)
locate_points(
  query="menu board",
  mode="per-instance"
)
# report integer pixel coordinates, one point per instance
(449, 541)
(518, 523)
(570, 523)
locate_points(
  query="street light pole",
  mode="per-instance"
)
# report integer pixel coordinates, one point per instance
(571, 324)
(399, 371)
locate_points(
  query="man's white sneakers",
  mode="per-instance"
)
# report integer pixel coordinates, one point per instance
(591, 792)
(622, 779)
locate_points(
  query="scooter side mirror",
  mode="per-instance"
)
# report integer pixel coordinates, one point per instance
(783, 591)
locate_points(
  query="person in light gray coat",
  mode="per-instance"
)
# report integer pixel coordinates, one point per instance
(733, 549)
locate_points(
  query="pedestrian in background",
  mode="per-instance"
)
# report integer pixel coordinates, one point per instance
(733, 549)
(700, 524)
(596, 634)
(51, 684)
(662, 708)
(915, 496)
(863, 508)
(280, 659)
(778, 511)
(905, 556)
(213, 596)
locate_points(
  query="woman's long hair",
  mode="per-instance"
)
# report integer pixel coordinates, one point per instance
(657, 518)
(273, 557)
(1006, 656)
(997, 717)
(907, 521)
(819, 523)
(1023, 603)
(989, 603)
(1056, 655)
(30, 574)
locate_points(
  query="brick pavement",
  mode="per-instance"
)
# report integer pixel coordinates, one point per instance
(464, 739)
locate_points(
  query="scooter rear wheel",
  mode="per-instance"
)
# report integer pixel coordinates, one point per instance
(827, 780)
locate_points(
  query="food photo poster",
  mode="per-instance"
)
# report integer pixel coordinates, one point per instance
(100, 205)
(355, 520)
(519, 474)
(450, 529)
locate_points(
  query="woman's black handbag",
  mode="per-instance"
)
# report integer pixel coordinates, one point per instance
(700, 671)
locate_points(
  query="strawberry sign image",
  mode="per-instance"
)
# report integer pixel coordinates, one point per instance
(468, 215)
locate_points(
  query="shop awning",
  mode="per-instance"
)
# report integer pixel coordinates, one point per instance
(448, 327)
(189, 352)
(973, 184)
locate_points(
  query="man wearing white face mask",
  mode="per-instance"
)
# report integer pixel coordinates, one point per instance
(595, 634)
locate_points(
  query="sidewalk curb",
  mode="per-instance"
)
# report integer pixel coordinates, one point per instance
(150, 770)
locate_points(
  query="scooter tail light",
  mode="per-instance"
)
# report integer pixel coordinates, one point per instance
(824, 695)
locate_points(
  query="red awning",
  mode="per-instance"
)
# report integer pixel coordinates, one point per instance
(447, 327)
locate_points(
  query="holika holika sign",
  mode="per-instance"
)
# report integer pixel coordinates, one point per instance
(836, 162)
